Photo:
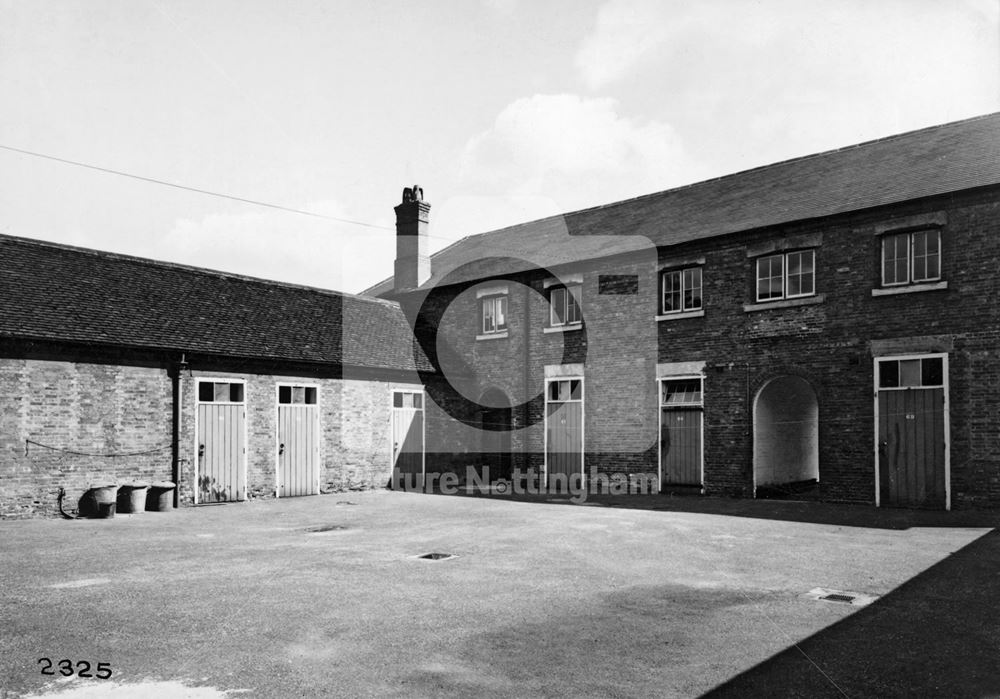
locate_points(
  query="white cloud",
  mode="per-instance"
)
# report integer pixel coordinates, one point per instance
(627, 31)
(572, 151)
(285, 247)
(749, 83)
(919, 54)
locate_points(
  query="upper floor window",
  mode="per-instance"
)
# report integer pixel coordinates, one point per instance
(680, 290)
(909, 258)
(786, 276)
(494, 314)
(564, 308)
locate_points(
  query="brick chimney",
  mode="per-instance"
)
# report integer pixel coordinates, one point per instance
(413, 261)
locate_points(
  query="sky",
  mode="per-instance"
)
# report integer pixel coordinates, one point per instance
(502, 110)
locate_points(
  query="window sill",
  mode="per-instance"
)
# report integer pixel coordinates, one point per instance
(784, 303)
(700, 313)
(909, 289)
(563, 328)
(493, 336)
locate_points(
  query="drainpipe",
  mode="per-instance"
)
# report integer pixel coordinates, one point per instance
(526, 333)
(175, 379)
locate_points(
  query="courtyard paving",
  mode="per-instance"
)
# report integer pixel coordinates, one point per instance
(640, 597)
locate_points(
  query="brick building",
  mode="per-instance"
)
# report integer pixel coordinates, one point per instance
(826, 326)
(119, 369)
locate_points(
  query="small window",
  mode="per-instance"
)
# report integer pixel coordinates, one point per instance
(911, 258)
(407, 399)
(494, 314)
(564, 308)
(565, 390)
(681, 291)
(925, 372)
(220, 392)
(680, 392)
(297, 395)
(786, 276)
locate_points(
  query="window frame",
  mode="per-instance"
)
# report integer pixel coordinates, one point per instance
(571, 300)
(911, 258)
(493, 300)
(309, 390)
(682, 274)
(213, 381)
(784, 258)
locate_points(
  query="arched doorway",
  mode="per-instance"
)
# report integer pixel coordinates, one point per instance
(786, 438)
(495, 422)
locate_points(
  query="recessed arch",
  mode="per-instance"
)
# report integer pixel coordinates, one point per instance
(786, 435)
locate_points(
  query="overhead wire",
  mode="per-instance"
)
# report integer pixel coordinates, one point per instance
(255, 202)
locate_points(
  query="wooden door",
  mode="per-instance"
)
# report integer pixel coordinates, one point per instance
(564, 429)
(408, 433)
(221, 438)
(912, 447)
(680, 445)
(495, 433)
(298, 441)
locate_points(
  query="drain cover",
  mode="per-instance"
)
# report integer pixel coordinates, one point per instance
(855, 599)
(326, 528)
(437, 556)
(838, 598)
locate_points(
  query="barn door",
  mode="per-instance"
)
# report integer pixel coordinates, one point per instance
(221, 435)
(680, 431)
(911, 432)
(408, 434)
(563, 429)
(298, 441)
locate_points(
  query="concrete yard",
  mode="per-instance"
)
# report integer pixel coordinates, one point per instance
(652, 596)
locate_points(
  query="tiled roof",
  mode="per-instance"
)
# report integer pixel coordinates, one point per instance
(932, 161)
(57, 292)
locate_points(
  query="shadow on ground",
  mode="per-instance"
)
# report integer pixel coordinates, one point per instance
(936, 635)
(838, 514)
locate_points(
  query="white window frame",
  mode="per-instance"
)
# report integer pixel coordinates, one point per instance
(319, 433)
(571, 291)
(583, 422)
(406, 388)
(494, 302)
(783, 257)
(199, 380)
(911, 276)
(876, 375)
(660, 380)
(682, 275)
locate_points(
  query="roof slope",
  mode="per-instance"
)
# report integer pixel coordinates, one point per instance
(57, 292)
(932, 161)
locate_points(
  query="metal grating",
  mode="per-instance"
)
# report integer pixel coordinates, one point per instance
(838, 598)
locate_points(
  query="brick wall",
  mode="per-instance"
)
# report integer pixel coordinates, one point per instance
(109, 423)
(99, 424)
(355, 449)
(745, 345)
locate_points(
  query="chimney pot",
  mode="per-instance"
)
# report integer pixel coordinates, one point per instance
(413, 262)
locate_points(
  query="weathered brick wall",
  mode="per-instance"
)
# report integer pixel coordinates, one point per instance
(99, 424)
(355, 450)
(107, 423)
(826, 343)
